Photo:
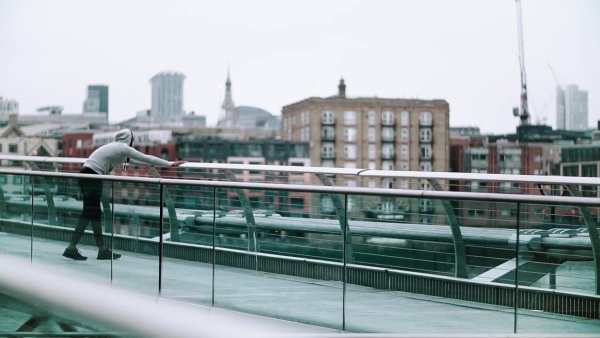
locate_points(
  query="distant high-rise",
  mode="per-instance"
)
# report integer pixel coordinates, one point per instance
(8, 107)
(571, 108)
(97, 99)
(167, 96)
(228, 117)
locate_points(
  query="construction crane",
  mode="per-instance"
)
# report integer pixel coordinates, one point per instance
(523, 112)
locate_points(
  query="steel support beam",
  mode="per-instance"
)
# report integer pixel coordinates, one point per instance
(52, 218)
(170, 207)
(340, 211)
(250, 222)
(460, 263)
(592, 228)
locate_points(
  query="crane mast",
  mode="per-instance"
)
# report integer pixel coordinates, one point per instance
(524, 109)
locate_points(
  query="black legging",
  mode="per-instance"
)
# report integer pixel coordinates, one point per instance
(91, 213)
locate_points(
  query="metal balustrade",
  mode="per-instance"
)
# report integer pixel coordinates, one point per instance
(343, 246)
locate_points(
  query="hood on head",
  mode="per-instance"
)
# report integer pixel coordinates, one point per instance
(124, 135)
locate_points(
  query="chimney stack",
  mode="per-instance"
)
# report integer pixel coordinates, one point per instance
(342, 89)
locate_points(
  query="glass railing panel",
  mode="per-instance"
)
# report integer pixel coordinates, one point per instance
(57, 208)
(188, 255)
(16, 214)
(556, 259)
(559, 239)
(408, 262)
(289, 264)
(135, 234)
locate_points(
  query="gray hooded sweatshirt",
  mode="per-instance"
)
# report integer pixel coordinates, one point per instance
(104, 159)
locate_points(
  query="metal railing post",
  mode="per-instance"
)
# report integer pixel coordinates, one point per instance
(160, 237)
(517, 248)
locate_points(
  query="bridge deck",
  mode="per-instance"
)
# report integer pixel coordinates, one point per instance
(291, 298)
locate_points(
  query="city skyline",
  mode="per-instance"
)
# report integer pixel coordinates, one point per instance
(464, 52)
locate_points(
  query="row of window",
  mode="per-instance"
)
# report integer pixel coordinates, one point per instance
(387, 151)
(387, 118)
(350, 134)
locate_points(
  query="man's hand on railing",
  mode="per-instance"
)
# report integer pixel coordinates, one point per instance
(178, 163)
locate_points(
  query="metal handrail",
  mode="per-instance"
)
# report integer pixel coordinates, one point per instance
(533, 179)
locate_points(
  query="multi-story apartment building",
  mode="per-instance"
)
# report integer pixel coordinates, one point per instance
(372, 133)
(571, 108)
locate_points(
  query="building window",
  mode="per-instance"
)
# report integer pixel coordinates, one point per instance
(425, 118)
(404, 118)
(371, 134)
(387, 183)
(350, 134)
(387, 151)
(371, 118)
(305, 134)
(404, 166)
(327, 150)
(424, 185)
(327, 117)
(371, 151)
(372, 184)
(404, 152)
(350, 117)
(404, 135)
(350, 165)
(350, 151)
(425, 134)
(297, 203)
(426, 151)
(387, 134)
(387, 118)
(328, 133)
(13, 148)
(327, 164)
(350, 183)
(425, 166)
(371, 166)
(387, 165)
(305, 118)
(404, 184)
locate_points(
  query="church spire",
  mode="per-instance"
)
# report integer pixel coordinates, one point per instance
(228, 116)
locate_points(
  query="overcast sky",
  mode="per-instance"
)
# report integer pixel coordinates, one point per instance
(281, 52)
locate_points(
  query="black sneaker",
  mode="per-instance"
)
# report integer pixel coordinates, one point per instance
(74, 254)
(107, 254)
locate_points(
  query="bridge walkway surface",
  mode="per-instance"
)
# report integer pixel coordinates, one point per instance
(316, 304)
